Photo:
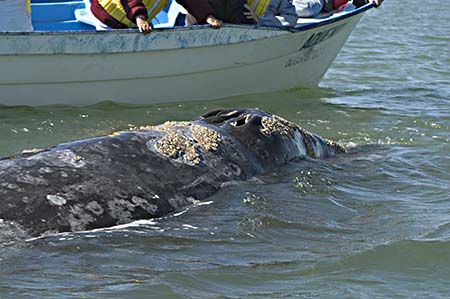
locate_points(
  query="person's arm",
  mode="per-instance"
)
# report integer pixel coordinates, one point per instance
(137, 12)
(103, 16)
(134, 9)
(279, 14)
(202, 11)
(287, 14)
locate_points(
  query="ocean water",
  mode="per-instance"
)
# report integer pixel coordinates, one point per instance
(374, 223)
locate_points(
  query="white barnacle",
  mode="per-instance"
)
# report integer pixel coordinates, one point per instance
(95, 208)
(10, 186)
(207, 138)
(174, 144)
(26, 199)
(56, 200)
(68, 157)
(29, 179)
(44, 170)
(31, 151)
(277, 125)
(144, 204)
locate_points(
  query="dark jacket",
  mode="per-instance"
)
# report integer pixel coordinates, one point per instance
(359, 3)
(328, 5)
(230, 11)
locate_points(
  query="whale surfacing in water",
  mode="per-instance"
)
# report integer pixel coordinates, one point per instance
(146, 172)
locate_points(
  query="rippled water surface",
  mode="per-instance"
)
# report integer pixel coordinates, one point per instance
(374, 223)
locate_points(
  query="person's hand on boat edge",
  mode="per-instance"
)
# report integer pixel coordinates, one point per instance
(215, 23)
(251, 15)
(143, 25)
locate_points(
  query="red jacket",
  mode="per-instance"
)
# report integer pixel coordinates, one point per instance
(200, 9)
(338, 3)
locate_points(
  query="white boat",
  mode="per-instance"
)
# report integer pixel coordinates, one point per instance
(83, 67)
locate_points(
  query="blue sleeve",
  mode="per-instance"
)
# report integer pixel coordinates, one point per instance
(280, 13)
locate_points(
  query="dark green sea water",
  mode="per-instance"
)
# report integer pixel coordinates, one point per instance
(371, 224)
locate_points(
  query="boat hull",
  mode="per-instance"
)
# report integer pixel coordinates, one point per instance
(169, 65)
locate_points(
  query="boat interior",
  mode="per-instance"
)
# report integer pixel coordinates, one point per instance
(75, 15)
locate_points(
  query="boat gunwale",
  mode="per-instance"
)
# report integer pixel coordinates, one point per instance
(302, 27)
(282, 36)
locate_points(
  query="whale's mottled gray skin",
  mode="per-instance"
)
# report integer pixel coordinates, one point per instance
(146, 172)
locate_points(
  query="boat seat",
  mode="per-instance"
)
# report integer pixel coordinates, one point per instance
(173, 10)
(164, 19)
(84, 15)
(56, 15)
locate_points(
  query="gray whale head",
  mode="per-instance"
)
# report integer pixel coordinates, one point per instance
(270, 138)
(146, 172)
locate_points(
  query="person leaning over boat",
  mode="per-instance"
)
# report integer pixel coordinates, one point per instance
(117, 14)
(229, 11)
(271, 13)
(15, 15)
(311, 8)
